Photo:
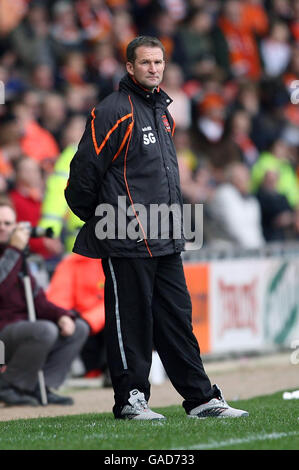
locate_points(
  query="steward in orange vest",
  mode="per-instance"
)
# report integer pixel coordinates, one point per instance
(78, 284)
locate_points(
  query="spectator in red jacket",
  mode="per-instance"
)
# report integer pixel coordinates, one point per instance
(27, 200)
(50, 343)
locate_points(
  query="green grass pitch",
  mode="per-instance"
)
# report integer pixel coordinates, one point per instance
(273, 424)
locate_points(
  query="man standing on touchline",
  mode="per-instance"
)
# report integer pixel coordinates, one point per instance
(127, 150)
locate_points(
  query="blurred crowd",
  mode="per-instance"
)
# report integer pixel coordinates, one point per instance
(232, 68)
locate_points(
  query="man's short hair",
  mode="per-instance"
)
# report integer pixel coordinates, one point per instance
(148, 41)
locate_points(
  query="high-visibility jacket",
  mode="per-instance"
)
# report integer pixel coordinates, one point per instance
(78, 284)
(55, 211)
(287, 184)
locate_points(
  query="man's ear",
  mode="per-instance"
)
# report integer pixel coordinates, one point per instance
(130, 68)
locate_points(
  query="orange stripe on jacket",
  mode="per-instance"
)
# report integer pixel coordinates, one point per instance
(128, 131)
(173, 128)
(98, 149)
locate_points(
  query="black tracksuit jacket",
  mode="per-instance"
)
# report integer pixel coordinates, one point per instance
(126, 150)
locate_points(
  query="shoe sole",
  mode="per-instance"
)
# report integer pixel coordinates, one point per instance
(127, 418)
(60, 404)
(244, 415)
(149, 419)
(9, 405)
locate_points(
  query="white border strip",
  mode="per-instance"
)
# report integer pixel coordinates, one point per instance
(120, 339)
(231, 442)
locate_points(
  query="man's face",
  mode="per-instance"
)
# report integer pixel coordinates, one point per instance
(29, 173)
(7, 223)
(148, 66)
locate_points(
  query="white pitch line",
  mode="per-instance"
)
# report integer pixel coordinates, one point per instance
(228, 442)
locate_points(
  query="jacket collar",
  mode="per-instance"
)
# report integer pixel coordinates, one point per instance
(158, 97)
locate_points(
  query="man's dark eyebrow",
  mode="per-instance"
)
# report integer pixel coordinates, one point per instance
(148, 60)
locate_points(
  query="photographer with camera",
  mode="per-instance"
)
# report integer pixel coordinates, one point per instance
(26, 196)
(50, 344)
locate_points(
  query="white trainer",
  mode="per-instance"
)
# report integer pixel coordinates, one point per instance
(138, 408)
(216, 408)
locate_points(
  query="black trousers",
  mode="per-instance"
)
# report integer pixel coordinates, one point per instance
(93, 353)
(148, 305)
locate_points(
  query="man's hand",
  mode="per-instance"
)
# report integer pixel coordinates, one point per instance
(20, 236)
(53, 245)
(66, 325)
